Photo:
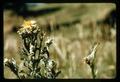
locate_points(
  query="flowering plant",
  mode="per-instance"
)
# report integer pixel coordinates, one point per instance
(35, 58)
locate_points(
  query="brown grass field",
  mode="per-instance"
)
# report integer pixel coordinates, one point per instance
(74, 28)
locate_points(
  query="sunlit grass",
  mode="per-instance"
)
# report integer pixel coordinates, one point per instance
(75, 40)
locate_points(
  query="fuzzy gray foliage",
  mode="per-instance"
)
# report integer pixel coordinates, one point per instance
(35, 58)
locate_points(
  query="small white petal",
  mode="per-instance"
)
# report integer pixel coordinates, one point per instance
(5, 60)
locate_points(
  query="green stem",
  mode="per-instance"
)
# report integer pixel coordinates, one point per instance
(93, 71)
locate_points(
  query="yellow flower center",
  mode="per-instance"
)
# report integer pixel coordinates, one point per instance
(27, 24)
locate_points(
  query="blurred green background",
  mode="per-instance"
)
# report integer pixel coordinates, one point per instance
(74, 27)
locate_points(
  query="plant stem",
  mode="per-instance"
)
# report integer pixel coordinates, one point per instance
(93, 71)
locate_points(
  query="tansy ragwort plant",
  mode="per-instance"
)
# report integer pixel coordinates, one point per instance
(35, 57)
(90, 59)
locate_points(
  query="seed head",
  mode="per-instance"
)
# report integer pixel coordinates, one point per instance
(90, 58)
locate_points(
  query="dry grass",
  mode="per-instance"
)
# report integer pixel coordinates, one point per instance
(72, 44)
